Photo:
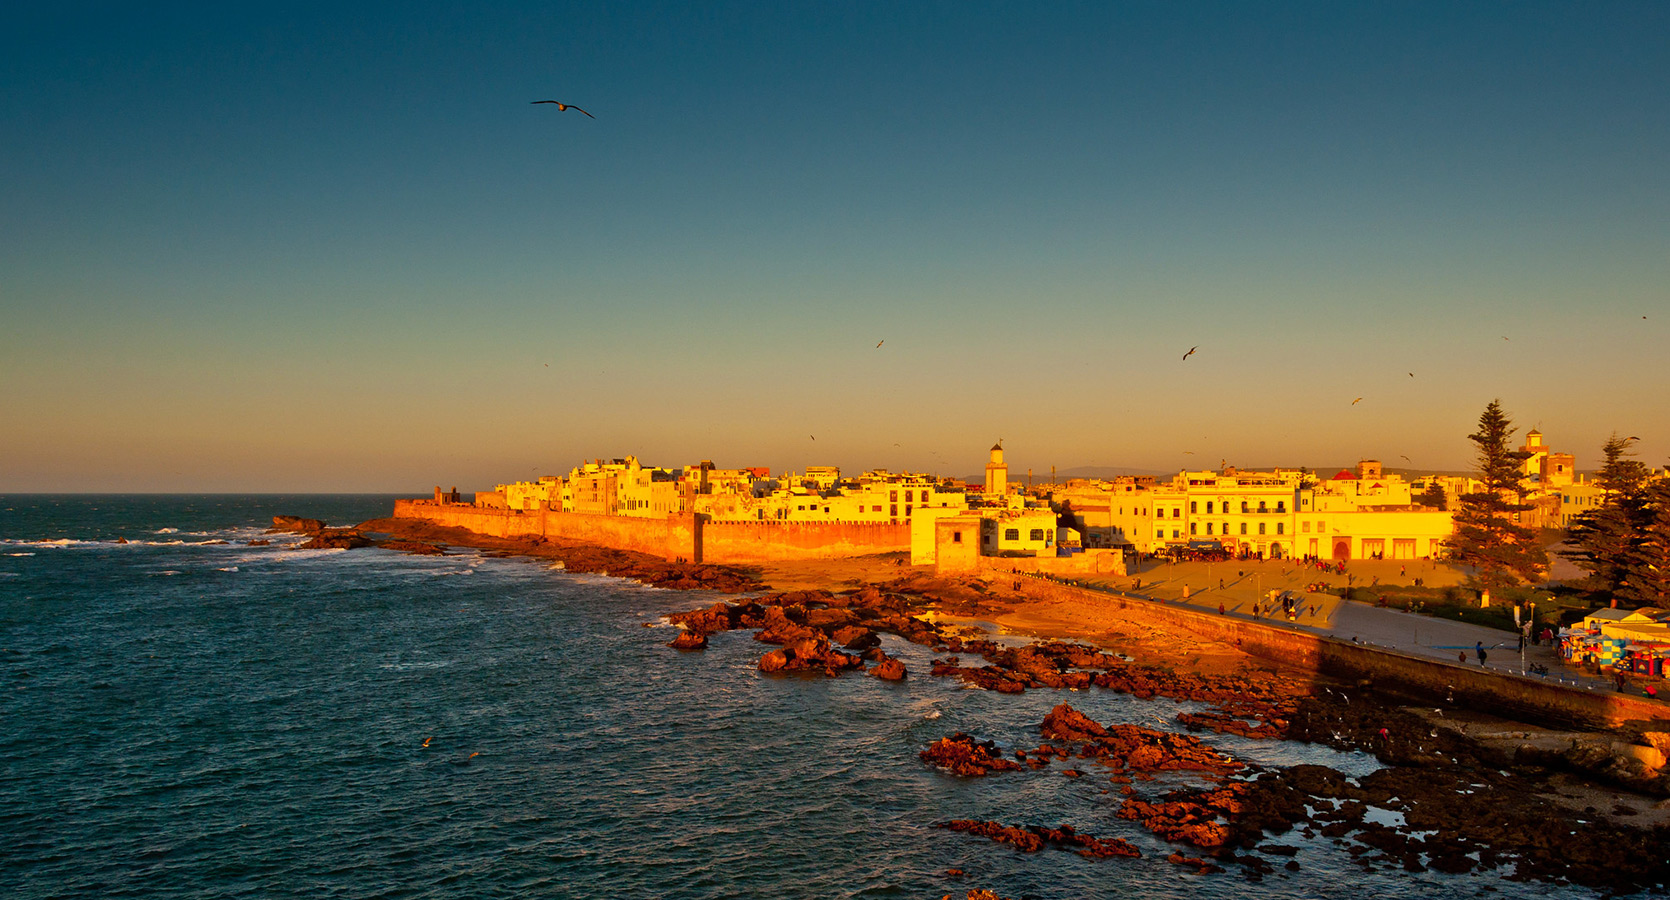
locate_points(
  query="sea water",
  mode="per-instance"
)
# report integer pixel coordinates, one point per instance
(186, 718)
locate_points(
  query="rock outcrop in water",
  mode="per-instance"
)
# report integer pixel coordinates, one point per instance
(296, 525)
(962, 755)
(1032, 838)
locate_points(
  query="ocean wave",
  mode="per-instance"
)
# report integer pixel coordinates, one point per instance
(10, 574)
(168, 531)
(167, 572)
(20, 554)
(227, 569)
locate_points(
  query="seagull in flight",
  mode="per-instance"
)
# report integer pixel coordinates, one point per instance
(1191, 351)
(880, 342)
(565, 107)
(1356, 401)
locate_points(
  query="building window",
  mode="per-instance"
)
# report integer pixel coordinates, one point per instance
(1243, 506)
(1192, 528)
(1261, 528)
(907, 509)
(1011, 534)
(893, 510)
(1208, 507)
(1192, 507)
(876, 508)
(1281, 527)
(1243, 528)
(1281, 506)
(1177, 512)
(1305, 526)
(1174, 533)
(910, 496)
(1037, 534)
(1160, 533)
(1261, 506)
(1208, 527)
(956, 537)
(892, 496)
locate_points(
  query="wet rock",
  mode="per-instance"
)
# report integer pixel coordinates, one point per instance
(336, 539)
(1032, 838)
(690, 640)
(1064, 723)
(418, 548)
(297, 525)
(962, 755)
(889, 669)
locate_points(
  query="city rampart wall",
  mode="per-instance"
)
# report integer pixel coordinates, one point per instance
(756, 541)
(643, 535)
(1529, 700)
(682, 536)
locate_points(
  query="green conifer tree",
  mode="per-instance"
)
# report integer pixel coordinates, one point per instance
(1486, 538)
(1605, 540)
(1646, 577)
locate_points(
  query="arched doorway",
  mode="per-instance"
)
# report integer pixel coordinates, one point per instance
(1342, 548)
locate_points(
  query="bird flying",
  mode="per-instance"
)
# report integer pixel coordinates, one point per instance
(1191, 351)
(565, 107)
(880, 342)
(1356, 401)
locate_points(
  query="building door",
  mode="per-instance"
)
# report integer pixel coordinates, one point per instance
(1342, 548)
(1403, 548)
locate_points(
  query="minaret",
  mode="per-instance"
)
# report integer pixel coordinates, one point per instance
(997, 473)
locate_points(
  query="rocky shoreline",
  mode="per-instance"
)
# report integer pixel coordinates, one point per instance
(1468, 799)
(1465, 805)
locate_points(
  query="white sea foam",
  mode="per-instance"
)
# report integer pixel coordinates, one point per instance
(168, 531)
(167, 572)
(20, 554)
(227, 569)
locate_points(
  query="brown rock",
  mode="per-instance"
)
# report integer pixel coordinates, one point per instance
(1065, 723)
(689, 640)
(889, 669)
(962, 755)
(297, 524)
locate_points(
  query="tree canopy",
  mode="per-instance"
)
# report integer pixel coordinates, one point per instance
(1487, 538)
(1624, 543)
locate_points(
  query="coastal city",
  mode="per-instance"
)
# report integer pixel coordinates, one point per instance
(1366, 533)
(909, 451)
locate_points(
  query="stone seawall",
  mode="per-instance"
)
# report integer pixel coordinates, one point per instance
(681, 536)
(1529, 700)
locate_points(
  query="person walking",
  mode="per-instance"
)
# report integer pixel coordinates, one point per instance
(1478, 647)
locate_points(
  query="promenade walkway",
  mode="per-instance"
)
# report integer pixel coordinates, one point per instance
(1245, 582)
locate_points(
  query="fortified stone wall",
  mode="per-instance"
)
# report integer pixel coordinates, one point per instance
(1487, 690)
(620, 532)
(752, 542)
(681, 536)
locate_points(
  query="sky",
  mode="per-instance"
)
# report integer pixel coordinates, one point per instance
(315, 248)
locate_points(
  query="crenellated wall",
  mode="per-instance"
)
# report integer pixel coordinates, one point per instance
(1487, 690)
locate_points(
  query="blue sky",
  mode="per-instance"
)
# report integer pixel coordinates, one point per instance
(307, 248)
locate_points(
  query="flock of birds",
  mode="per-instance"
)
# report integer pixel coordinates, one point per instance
(565, 107)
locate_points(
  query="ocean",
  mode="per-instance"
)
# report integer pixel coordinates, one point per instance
(187, 716)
